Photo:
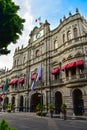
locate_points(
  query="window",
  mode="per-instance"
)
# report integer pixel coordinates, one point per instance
(73, 73)
(18, 62)
(56, 77)
(55, 44)
(15, 63)
(63, 38)
(37, 53)
(24, 60)
(66, 74)
(69, 35)
(75, 31)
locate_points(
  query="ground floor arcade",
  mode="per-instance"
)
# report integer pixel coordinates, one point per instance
(74, 98)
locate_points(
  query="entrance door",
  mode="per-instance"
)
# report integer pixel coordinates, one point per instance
(78, 102)
(13, 100)
(58, 102)
(35, 100)
(21, 103)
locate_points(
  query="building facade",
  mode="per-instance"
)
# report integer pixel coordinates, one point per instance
(62, 52)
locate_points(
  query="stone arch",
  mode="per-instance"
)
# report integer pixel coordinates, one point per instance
(35, 100)
(6, 100)
(78, 102)
(21, 103)
(13, 100)
(58, 102)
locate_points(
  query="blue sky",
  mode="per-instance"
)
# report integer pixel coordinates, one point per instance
(52, 10)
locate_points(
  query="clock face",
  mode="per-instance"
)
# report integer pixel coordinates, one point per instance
(38, 35)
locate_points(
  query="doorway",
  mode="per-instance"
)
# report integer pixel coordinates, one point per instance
(78, 104)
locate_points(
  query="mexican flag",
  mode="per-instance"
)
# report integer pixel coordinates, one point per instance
(5, 86)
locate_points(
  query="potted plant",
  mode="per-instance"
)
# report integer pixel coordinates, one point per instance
(40, 110)
(63, 108)
(8, 107)
(13, 107)
(51, 108)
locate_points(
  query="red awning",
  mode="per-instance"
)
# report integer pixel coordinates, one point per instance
(79, 63)
(55, 71)
(64, 67)
(21, 80)
(10, 83)
(71, 65)
(2, 85)
(15, 81)
(33, 76)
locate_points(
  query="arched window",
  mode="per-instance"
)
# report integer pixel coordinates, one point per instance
(24, 60)
(69, 35)
(15, 63)
(75, 31)
(37, 53)
(55, 44)
(63, 38)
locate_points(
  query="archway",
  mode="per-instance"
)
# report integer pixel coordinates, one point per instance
(6, 100)
(13, 100)
(58, 102)
(35, 100)
(21, 104)
(78, 104)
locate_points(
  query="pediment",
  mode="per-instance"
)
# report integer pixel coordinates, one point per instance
(34, 31)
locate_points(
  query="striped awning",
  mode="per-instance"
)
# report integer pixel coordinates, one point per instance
(79, 63)
(71, 65)
(64, 67)
(15, 81)
(21, 80)
(2, 85)
(55, 71)
(33, 76)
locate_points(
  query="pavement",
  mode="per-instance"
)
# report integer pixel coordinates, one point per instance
(60, 117)
(70, 117)
(31, 121)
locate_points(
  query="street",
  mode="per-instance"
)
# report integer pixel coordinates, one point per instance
(29, 121)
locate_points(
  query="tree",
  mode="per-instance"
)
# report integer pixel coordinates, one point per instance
(5, 126)
(11, 24)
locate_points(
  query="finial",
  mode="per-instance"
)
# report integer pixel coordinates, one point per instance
(64, 17)
(70, 14)
(60, 20)
(77, 11)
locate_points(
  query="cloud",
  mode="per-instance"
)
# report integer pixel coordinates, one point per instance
(24, 12)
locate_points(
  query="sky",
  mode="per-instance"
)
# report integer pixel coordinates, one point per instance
(52, 10)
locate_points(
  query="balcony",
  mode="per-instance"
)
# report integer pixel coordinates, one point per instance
(56, 82)
(79, 78)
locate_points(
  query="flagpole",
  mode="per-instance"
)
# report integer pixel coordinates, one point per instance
(41, 83)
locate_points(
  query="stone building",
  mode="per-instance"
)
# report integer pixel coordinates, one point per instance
(62, 53)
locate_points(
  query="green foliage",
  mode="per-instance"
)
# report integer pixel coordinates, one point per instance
(4, 51)
(40, 107)
(7, 107)
(63, 106)
(4, 125)
(43, 113)
(11, 24)
(50, 106)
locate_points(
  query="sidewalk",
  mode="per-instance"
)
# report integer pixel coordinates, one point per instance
(70, 117)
